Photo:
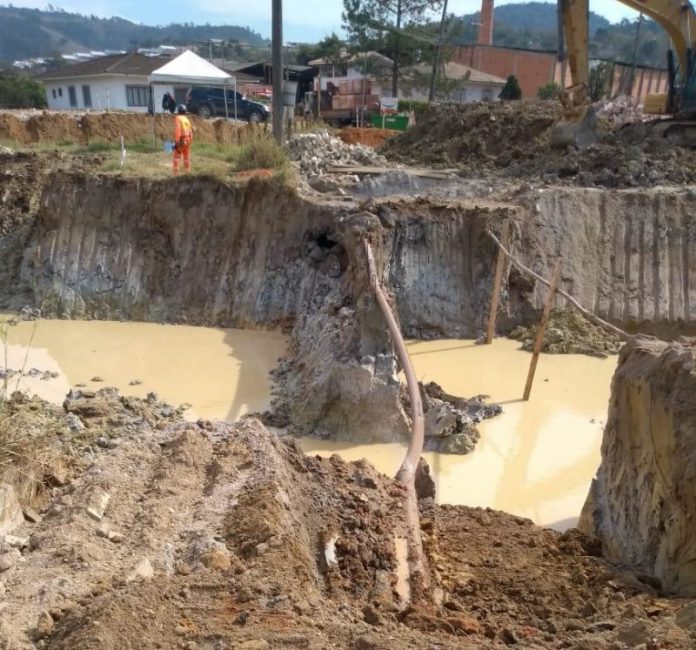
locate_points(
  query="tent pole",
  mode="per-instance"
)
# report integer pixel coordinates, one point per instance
(227, 112)
(235, 99)
(154, 126)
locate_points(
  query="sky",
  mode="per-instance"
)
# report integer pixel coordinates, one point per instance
(304, 20)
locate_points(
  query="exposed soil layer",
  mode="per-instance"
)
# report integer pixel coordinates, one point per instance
(569, 332)
(183, 535)
(62, 128)
(512, 140)
(369, 137)
(641, 505)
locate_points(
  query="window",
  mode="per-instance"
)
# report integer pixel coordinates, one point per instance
(54, 93)
(60, 92)
(487, 95)
(137, 95)
(87, 96)
(73, 96)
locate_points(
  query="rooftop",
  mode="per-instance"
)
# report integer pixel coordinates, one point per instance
(454, 70)
(119, 64)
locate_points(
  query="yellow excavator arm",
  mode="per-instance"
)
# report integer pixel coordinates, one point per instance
(677, 17)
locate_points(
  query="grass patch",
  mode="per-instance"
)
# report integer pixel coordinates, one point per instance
(261, 153)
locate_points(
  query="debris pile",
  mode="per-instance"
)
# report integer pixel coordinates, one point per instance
(620, 110)
(512, 140)
(569, 332)
(316, 152)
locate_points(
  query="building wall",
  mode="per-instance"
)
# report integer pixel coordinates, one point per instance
(532, 69)
(352, 73)
(107, 93)
(468, 92)
(536, 69)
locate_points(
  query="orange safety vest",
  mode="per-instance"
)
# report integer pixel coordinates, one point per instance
(184, 130)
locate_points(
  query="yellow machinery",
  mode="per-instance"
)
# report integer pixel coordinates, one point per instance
(678, 19)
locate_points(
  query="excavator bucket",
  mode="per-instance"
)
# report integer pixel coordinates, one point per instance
(578, 134)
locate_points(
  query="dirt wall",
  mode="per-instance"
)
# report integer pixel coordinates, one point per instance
(110, 127)
(628, 255)
(641, 505)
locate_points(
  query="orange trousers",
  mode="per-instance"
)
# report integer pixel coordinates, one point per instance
(184, 151)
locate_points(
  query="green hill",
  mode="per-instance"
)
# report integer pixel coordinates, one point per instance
(29, 33)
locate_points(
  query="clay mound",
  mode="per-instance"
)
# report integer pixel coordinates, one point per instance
(569, 332)
(374, 138)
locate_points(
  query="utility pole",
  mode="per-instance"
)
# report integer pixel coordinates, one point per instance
(277, 65)
(436, 62)
(397, 50)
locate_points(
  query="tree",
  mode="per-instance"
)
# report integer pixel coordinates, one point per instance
(21, 91)
(390, 27)
(329, 47)
(511, 90)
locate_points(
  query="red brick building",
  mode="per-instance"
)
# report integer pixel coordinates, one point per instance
(536, 68)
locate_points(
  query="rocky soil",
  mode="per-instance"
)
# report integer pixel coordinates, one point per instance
(172, 534)
(569, 332)
(511, 140)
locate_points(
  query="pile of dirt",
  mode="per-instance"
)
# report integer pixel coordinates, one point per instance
(208, 535)
(368, 137)
(512, 140)
(569, 332)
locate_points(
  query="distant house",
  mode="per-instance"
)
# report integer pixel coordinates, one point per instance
(370, 66)
(456, 82)
(117, 82)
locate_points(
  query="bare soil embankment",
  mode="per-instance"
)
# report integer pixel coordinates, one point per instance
(164, 533)
(65, 128)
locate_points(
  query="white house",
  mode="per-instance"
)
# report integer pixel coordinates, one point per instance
(117, 82)
(457, 82)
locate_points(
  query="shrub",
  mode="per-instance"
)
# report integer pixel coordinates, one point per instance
(511, 90)
(549, 91)
(261, 153)
(419, 108)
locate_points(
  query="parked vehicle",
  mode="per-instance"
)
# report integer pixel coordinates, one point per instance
(210, 102)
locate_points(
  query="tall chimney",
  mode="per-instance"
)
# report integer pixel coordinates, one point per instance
(485, 34)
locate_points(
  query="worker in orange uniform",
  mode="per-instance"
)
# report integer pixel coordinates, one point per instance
(183, 137)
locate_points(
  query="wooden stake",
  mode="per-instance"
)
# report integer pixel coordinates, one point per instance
(624, 336)
(495, 298)
(550, 300)
(419, 576)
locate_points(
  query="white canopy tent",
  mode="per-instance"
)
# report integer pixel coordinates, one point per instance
(189, 68)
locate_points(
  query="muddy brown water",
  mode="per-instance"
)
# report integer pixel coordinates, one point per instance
(536, 460)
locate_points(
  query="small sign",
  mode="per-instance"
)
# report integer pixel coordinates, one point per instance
(389, 105)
